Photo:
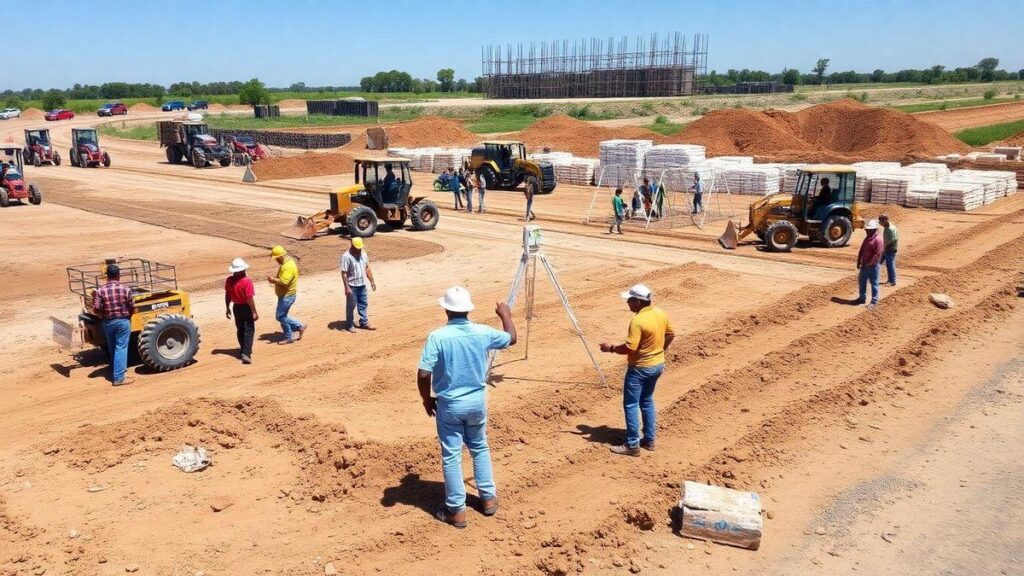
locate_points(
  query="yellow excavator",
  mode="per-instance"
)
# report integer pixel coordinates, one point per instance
(821, 208)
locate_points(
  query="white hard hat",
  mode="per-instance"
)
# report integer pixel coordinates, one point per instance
(456, 299)
(640, 292)
(871, 225)
(237, 265)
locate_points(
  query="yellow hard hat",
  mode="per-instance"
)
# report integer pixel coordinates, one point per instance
(277, 251)
(357, 243)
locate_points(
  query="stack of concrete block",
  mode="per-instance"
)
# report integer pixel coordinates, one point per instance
(622, 160)
(891, 188)
(931, 172)
(445, 158)
(749, 180)
(734, 159)
(1010, 152)
(570, 169)
(865, 171)
(922, 196)
(672, 164)
(960, 195)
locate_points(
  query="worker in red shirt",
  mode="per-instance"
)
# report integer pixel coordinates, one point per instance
(114, 303)
(238, 295)
(868, 260)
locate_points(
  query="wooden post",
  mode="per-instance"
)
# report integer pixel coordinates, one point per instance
(721, 515)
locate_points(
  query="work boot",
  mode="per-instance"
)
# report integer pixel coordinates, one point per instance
(246, 359)
(649, 446)
(624, 450)
(490, 506)
(302, 331)
(125, 381)
(456, 519)
(857, 302)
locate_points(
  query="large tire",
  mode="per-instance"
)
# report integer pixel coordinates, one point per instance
(36, 160)
(362, 221)
(106, 160)
(198, 158)
(34, 195)
(56, 158)
(5, 200)
(73, 157)
(490, 178)
(438, 186)
(424, 215)
(781, 236)
(168, 342)
(835, 231)
(225, 161)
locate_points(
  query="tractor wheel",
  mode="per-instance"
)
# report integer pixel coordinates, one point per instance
(198, 158)
(106, 160)
(424, 215)
(5, 200)
(83, 160)
(36, 160)
(438, 186)
(781, 236)
(760, 236)
(34, 195)
(73, 157)
(835, 231)
(490, 178)
(225, 161)
(362, 221)
(56, 158)
(168, 342)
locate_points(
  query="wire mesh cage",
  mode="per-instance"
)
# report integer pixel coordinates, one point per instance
(142, 276)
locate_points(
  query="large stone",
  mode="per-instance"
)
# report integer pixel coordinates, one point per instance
(941, 301)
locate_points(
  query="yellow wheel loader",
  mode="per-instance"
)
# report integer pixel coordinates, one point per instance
(380, 193)
(821, 208)
(504, 166)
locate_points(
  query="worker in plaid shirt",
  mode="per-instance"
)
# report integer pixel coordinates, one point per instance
(114, 304)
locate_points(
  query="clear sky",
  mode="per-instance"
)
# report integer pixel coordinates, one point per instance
(320, 42)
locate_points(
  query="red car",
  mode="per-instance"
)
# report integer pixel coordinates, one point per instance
(112, 109)
(61, 114)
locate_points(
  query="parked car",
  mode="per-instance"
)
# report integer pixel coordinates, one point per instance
(199, 105)
(8, 113)
(60, 114)
(112, 109)
(173, 105)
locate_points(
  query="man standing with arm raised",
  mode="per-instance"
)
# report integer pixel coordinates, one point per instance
(454, 367)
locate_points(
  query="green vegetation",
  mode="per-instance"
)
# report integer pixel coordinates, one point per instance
(253, 92)
(507, 118)
(52, 100)
(239, 122)
(948, 104)
(586, 112)
(985, 134)
(130, 132)
(662, 126)
(989, 94)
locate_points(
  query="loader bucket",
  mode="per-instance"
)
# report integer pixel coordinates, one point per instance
(729, 238)
(303, 229)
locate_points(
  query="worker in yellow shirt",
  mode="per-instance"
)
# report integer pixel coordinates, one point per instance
(650, 334)
(286, 286)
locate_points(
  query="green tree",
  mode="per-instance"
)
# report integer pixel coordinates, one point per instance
(790, 76)
(877, 75)
(987, 66)
(254, 92)
(12, 102)
(446, 78)
(820, 68)
(53, 99)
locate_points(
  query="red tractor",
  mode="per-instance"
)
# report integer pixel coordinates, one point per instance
(86, 151)
(12, 183)
(39, 148)
(246, 150)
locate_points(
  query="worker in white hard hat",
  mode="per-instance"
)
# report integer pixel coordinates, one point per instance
(649, 335)
(238, 296)
(868, 259)
(451, 377)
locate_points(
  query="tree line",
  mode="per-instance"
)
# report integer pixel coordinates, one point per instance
(398, 81)
(986, 70)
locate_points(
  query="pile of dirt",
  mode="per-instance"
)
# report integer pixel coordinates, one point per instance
(566, 134)
(303, 166)
(32, 114)
(426, 131)
(216, 107)
(142, 107)
(841, 131)
(292, 103)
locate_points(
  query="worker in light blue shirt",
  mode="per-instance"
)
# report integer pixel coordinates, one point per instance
(454, 367)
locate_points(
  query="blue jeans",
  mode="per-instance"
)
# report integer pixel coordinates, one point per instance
(458, 424)
(868, 274)
(529, 209)
(458, 199)
(117, 331)
(638, 396)
(698, 202)
(890, 266)
(480, 207)
(288, 324)
(357, 299)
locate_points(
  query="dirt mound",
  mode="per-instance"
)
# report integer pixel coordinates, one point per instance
(292, 103)
(894, 211)
(216, 107)
(567, 134)
(844, 130)
(426, 131)
(142, 107)
(305, 165)
(32, 114)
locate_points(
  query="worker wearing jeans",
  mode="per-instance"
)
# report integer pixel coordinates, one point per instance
(481, 190)
(117, 332)
(451, 381)
(286, 286)
(650, 334)
(355, 272)
(890, 243)
(868, 259)
(114, 303)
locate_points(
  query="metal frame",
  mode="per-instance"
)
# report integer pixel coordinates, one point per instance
(142, 276)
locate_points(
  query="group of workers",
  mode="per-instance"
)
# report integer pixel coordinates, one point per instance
(875, 250)
(463, 184)
(649, 199)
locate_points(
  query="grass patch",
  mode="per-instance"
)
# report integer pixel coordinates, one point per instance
(507, 118)
(145, 131)
(662, 126)
(237, 122)
(949, 104)
(985, 134)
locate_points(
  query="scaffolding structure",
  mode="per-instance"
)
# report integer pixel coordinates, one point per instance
(596, 68)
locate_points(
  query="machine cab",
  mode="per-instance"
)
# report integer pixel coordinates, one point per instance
(821, 189)
(388, 181)
(37, 137)
(10, 156)
(505, 153)
(84, 136)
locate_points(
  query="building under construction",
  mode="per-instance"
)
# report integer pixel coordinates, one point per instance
(596, 68)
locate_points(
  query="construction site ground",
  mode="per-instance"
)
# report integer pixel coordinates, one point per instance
(885, 440)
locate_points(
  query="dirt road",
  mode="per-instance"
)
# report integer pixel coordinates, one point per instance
(839, 416)
(961, 118)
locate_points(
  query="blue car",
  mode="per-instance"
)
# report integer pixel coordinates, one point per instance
(173, 105)
(199, 105)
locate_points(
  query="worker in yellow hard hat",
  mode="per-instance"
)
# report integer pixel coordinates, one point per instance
(286, 286)
(355, 272)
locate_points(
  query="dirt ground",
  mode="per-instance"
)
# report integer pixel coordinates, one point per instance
(880, 441)
(961, 118)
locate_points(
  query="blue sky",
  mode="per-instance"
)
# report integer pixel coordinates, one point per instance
(320, 42)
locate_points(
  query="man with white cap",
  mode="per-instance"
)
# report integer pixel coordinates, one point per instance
(650, 334)
(868, 258)
(454, 366)
(355, 272)
(238, 294)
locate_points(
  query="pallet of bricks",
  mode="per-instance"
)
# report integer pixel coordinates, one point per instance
(674, 165)
(967, 189)
(570, 169)
(365, 108)
(622, 160)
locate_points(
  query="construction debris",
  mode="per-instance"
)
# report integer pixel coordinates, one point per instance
(721, 515)
(191, 459)
(942, 301)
